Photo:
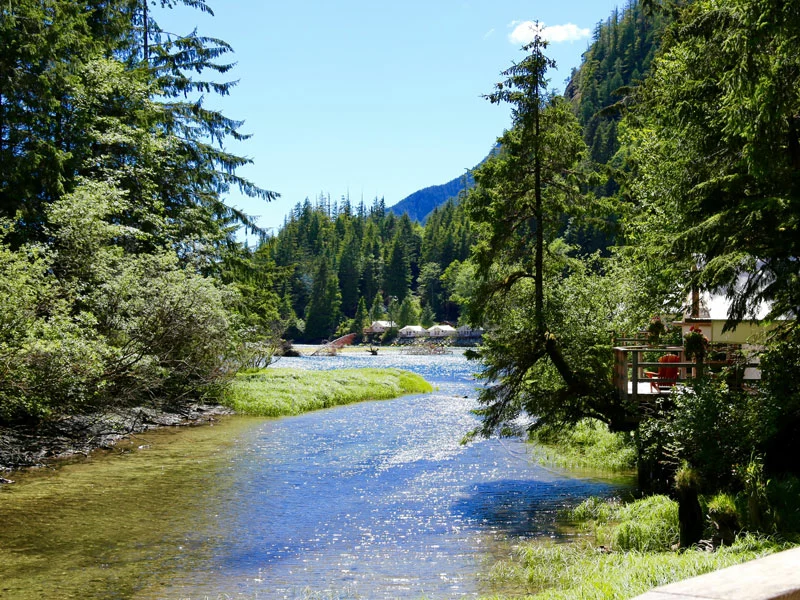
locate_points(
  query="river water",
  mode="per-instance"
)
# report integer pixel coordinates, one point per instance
(370, 500)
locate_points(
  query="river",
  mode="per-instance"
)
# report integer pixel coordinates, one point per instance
(370, 500)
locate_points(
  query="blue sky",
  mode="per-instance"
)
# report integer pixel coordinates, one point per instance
(374, 98)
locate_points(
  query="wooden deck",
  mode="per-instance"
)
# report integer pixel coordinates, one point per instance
(632, 382)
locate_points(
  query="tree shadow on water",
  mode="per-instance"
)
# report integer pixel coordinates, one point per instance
(524, 507)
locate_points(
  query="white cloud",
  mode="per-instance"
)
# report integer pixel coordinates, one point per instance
(524, 32)
(488, 34)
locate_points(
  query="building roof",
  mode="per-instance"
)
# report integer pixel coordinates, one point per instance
(442, 328)
(386, 324)
(715, 306)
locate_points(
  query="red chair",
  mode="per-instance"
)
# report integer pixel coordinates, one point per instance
(666, 376)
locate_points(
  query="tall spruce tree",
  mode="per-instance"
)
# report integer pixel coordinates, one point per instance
(521, 198)
(397, 275)
(322, 314)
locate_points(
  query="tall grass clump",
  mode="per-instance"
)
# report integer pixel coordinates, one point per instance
(635, 555)
(588, 445)
(285, 392)
(646, 525)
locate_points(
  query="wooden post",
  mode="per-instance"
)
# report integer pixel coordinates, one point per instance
(635, 375)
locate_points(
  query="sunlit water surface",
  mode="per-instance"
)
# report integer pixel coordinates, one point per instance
(371, 500)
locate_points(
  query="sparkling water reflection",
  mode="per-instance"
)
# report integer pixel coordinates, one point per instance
(380, 500)
(371, 500)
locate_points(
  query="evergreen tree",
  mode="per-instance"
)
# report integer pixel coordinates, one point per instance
(431, 290)
(521, 198)
(361, 319)
(717, 139)
(349, 274)
(322, 314)
(372, 272)
(409, 312)
(377, 311)
(397, 275)
(427, 318)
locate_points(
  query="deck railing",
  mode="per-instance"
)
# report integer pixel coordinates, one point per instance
(630, 369)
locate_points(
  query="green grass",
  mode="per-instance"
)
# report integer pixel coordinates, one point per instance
(635, 557)
(589, 445)
(646, 525)
(277, 392)
(578, 570)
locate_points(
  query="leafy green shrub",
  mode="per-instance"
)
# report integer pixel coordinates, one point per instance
(710, 427)
(647, 525)
(83, 326)
(784, 498)
(758, 513)
(594, 509)
(724, 517)
(780, 408)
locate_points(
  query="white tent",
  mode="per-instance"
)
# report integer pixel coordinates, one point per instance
(413, 331)
(440, 331)
(465, 331)
(380, 326)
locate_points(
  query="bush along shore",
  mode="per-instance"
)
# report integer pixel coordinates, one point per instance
(265, 392)
(623, 549)
(588, 445)
(277, 392)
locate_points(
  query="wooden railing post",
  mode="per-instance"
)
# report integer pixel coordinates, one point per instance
(635, 375)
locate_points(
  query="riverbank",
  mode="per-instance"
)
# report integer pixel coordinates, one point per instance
(619, 551)
(277, 392)
(588, 445)
(71, 435)
(622, 549)
(270, 392)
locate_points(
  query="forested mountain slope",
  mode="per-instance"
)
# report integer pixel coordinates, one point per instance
(619, 57)
(420, 204)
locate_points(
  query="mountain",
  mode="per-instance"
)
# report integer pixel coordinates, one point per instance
(419, 204)
(619, 57)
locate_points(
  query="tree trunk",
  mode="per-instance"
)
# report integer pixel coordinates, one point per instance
(690, 516)
(538, 216)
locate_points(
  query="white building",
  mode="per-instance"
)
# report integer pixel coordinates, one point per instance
(413, 331)
(380, 327)
(465, 331)
(442, 331)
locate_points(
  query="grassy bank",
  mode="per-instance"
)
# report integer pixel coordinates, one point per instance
(278, 392)
(626, 552)
(622, 549)
(589, 445)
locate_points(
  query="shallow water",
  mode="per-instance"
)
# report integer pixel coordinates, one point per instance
(371, 500)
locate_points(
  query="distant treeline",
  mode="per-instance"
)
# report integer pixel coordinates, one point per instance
(342, 265)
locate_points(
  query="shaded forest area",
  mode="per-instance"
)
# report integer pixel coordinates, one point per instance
(342, 266)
